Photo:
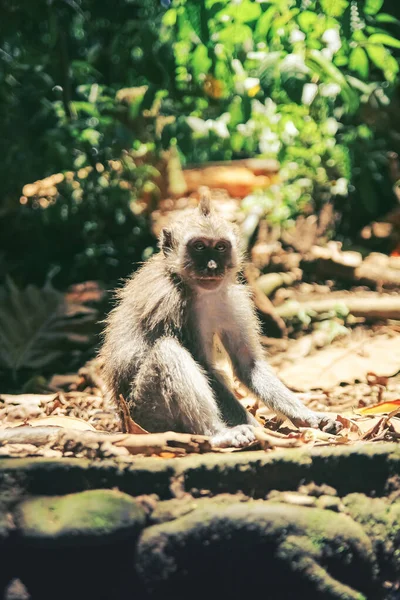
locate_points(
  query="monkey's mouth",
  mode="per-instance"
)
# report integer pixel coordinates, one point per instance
(209, 283)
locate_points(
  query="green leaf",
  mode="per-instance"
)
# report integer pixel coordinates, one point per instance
(391, 68)
(385, 39)
(264, 23)
(235, 109)
(235, 34)
(382, 59)
(359, 62)
(372, 7)
(200, 61)
(38, 325)
(307, 20)
(334, 8)
(330, 73)
(197, 14)
(385, 18)
(169, 18)
(245, 12)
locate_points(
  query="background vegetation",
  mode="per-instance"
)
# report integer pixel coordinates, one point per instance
(96, 91)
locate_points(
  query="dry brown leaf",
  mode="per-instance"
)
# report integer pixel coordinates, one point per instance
(128, 424)
(332, 366)
(376, 430)
(374, 379)
(61, 421)
(31, 399)
(395, 424)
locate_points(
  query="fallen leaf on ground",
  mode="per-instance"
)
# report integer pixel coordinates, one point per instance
(62, 421)
(33, 399)
(350, 428)
(128, 424)
(381, 408)
(329, 367)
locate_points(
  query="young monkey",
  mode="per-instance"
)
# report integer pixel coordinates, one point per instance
(158, 341)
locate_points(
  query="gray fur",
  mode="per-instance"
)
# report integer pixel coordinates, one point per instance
(158, 341)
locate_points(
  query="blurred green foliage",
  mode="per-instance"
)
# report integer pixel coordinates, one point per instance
(310, 82)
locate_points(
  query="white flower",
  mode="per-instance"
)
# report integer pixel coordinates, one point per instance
(218, 127)
(296, 36)
(238, 67)
(247, 129)
(329, 89)
(331, 126)
(289, 133)
(269, 142)
(203, 127)
(294, 62)
(257, 55)
(304, 182)
(310, 90)
(250, 83)
(326, 53)
(341, 187)
(331, 38)
(198, 125)
(268, 109)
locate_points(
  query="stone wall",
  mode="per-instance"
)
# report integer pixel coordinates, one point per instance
(287, 524)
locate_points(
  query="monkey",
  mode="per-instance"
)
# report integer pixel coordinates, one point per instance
(158, 340)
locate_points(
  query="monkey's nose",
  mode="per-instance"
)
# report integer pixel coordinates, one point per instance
(212, 264)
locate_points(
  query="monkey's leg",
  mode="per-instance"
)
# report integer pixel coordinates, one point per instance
(172, 392)
(232, 411)
(252, 370)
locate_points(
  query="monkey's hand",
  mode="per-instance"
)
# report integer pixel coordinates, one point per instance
(319, 421)
(236, 437)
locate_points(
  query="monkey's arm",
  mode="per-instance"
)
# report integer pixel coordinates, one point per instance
(242, 343)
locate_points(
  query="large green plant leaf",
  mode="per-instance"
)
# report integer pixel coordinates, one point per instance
(385, 39)
(200, 61)
(235, 34)
(198, 18)
(385, 18)
(359, 62)
(334, 8)
(37, 326)
(245, 12)
(381, 58)
(264, 23)
(372, 7)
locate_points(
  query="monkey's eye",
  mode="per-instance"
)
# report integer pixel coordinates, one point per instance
(198, 246)
(221, 247)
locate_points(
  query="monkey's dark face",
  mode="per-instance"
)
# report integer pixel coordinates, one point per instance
(208, 260)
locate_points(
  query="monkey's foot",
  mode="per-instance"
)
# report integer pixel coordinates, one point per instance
(329, 424)
(236, 437)
(320, 421)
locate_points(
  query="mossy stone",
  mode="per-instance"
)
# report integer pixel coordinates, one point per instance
(285, 550)
(97, 516)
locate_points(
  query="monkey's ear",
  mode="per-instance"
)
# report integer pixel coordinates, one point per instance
(166, 240)
(205, 202)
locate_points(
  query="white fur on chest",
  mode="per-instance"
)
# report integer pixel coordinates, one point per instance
(214, 314)
(213, 310)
